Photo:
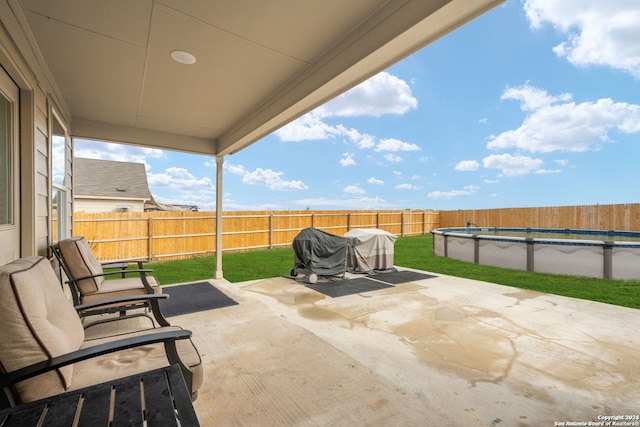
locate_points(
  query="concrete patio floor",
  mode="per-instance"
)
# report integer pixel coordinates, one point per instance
(441, 351)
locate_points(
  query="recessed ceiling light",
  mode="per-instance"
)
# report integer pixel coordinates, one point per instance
(183, 57)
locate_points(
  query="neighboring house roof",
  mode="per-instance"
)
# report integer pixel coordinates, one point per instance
(107, 178)
(163, 207)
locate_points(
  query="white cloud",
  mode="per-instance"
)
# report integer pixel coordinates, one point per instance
(271, 179)
(171, 177)
(185, 188)
(361, 140)
(406, 187)
(179, 179)
(392, 158)
(375, 181)
(467, 166)
(117, 152)
(309, 127)
(597, 32)
(349, 203)
(392, 144)
(466, 191)
(347, 159)
(232, 205)
(234, 169)
(58, 153)
(532, 98)
(510, 165)
(353, 189)
(559, 124)
(381, 94)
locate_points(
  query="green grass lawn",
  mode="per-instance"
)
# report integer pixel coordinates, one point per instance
(412, 252)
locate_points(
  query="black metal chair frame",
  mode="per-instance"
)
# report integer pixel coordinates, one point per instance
(167, 338)
(126, 304)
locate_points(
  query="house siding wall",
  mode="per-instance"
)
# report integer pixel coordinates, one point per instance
(42, 173)
(19, 60)
(103, 206)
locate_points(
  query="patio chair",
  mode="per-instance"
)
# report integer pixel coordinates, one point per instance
(44, 351)
(87, 277)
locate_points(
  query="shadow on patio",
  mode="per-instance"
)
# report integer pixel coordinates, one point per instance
(439, 351)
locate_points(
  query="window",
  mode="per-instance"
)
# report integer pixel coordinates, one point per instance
(9, 170)
(60, 182)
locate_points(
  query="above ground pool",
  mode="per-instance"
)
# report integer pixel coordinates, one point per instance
(593, 253)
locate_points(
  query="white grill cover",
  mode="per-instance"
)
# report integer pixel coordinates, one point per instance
(370, 249)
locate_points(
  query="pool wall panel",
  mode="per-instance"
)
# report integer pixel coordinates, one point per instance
(503, 254)
(568, 259)
(460, 248)
(438, 245)
(626, 262)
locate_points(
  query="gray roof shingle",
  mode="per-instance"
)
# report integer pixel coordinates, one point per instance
(108, 178)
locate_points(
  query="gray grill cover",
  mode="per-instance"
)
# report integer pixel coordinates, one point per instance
(320, 252)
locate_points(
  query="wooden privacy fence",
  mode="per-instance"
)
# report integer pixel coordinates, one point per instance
(178, 235)
(594, 217)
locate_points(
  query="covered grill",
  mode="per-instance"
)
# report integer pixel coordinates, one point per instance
(370, 249)
(319, 253)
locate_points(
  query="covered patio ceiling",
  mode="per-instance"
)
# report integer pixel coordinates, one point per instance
(259, 64)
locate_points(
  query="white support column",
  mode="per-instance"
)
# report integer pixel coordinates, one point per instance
(219, 162)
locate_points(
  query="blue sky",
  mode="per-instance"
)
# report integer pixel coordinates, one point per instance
(535, 103)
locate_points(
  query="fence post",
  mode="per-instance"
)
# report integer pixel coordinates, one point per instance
(150, 238)
(377, 219)
(271, 231)
(349, 221)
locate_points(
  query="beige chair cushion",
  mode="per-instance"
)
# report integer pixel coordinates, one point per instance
(117, 288)
(37, 322)
(79, 259)
(135, 360)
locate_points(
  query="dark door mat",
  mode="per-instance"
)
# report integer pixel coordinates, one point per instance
(340, 288)
(191, 298)
(398, 277)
